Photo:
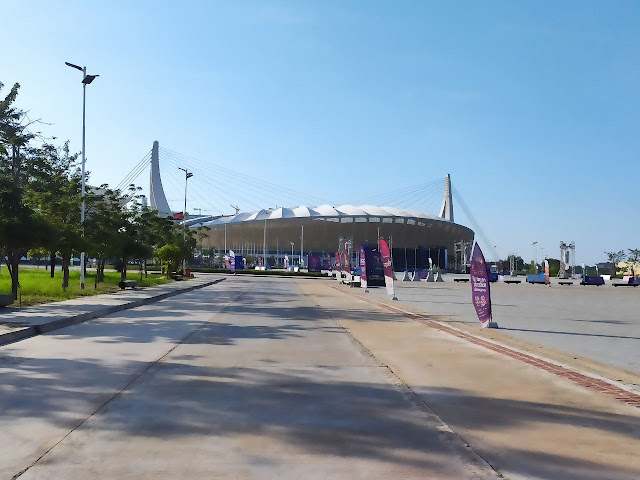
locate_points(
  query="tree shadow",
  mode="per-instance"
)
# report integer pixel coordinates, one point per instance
(354, 412)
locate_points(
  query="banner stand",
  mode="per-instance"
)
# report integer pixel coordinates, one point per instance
(546, 273)
(363, 270)
(385, 255)
(481, 288)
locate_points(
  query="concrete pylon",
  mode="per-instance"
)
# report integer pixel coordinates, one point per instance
(446, 211)
(157, 198)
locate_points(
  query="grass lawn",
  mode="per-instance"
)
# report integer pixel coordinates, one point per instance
(38, 287)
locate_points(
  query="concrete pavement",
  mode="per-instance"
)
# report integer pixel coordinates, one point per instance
(18, 324)
(281, 378)
(527, 423)
(244, 379)
(598, 324)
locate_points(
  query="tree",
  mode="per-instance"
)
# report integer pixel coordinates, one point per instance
(153, 231)
(615, 258)
(170, 255)
(105, 216)
(634, 255)
(21, 227)
(55, 193)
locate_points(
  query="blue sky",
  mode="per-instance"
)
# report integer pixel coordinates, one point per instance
(533, 107)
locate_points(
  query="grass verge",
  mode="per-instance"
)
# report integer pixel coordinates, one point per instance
(36, 285)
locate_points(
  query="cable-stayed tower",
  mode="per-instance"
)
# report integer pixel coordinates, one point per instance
(446, 211)
(156, 192)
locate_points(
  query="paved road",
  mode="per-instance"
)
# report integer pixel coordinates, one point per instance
(599, 323)
(245, 379)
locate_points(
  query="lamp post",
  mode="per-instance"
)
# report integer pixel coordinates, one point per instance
(292, 244)
(535, 254)
(86, 80)
(187, 176)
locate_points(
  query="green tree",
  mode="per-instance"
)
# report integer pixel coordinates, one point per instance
(105, 216)
(21, 227)
(170, 255)
(615, 258)
(55, 192)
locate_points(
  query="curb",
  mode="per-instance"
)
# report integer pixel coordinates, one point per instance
(32, 331)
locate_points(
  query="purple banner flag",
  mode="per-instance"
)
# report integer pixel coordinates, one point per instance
(232, 261)
(385, 255)
(363, 268)
(346, 262)
(480, 287)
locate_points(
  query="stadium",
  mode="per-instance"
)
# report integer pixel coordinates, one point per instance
(274, 233)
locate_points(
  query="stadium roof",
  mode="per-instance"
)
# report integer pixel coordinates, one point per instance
(321, 211)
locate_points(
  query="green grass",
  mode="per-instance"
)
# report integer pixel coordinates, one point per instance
(38, 287)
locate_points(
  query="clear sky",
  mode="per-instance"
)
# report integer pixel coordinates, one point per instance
(532, 107)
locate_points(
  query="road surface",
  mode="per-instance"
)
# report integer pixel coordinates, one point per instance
(287, 378)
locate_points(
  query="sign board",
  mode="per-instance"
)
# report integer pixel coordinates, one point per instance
(314, 263)
(373, 261)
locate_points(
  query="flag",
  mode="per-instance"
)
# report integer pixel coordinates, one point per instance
(385, 255)
(363, 268)
(546, 272)
(480, 287)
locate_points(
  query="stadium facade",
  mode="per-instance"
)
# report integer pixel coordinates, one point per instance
(320, 230)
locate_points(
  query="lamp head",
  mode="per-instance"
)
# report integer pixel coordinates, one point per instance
(73, 66)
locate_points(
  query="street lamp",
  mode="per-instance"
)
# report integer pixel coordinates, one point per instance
(535, 255)
(187, 176)
(292, 244)
(86, 80)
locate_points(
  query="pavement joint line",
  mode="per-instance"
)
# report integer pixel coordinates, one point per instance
(616, 390)
(418, 402)
(131, 382)
(35, 330)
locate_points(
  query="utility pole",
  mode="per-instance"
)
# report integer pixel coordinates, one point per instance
(187, 176)
(86, 80)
